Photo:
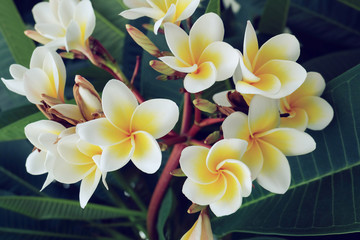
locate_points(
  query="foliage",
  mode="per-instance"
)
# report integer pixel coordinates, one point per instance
(323, 198)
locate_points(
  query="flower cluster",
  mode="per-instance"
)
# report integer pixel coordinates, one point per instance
(263, 119)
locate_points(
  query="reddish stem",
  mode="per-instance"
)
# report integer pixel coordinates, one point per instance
(193, 130)
(186, 113)
(160, 189)
(210, 121)
(136, 70)
(197, 111)
(169, 141)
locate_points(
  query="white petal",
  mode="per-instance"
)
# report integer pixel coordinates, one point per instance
(156, 117)
(65, 172)
(231, 200)
(141, 12)
(319, 111)
(17, 71)
(250, 47)
(168, 17)
(36, 82)
(88, 187)
(50, 30)
(66, 10)
(290, 74)
(203, 78)
(69, 151)
(35, 129)
(243, 73)
(223, 56)
(289, 141)
(263, 114)
(100, 132)
(49, 179)
(236, 126)
(147, 152)
(314, 85)
(221, 98)
(118, 103)
(178, 42)
(116, 156)
(207, 29)
(85, 17)
(193, 164)
(69, 111)
(42, 13)
(188, 11)
(283, 46)
(177, 65)
(73, 38)
(275, 174)
(35, 163)
(16, 86)
(225, 149)
(204, 194)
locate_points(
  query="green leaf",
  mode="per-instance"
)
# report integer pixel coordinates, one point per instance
(352, 3)
(12, 28)
(164, 213)
(110, 27)
(15, 130)
(274, 17)
(333, 23)
(324, 197)
(52, 208)
(213, 6)
(330, 66)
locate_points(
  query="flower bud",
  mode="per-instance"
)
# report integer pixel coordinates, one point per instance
(143, 41)
(212, 138)
(204, 105)
(201, 229)
(87, 98)
(161, 67)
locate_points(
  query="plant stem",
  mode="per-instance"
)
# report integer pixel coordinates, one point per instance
(160, 189)
(210, 121)
(186, 113)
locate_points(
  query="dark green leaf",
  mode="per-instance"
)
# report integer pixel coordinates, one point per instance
(110, 27)
(164, 213)
(15, 130)
(352, 3)
(52, 208)
(274, 17)
(324, 197)
(12, 28)
(213, 6)
(333, 64)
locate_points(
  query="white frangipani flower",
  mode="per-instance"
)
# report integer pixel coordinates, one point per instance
(79, 161)
(202, 54)
(268, 144)
(161, 11)
(43, 135)
(270, 70)
(129, 130)
(46, 75)
(216, 177)
(65, 23)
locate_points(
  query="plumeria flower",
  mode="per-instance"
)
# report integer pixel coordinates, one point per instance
(201, 54)
(64, 23)
(268, 144)
(233, 4)
(305, 107)
(88, 104)
(129, 130)
(43, 135)
(270, 71)
(216, 176)
(79, 161)
(160, 10)
(201, 230)
(46, 75)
